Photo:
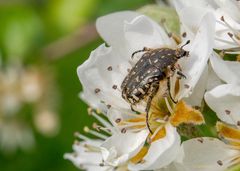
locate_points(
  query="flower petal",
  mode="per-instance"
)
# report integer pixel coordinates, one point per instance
(144, 32)
(223, 40)
(111, 28)
(228, 71)
(128, 31)
(83, 159)
(196, 98)
(205, 154)
(186, 114)
(99, 74)
(213, 80)
(224, 100)
(120, 147)
(200, 50)
(161, 152)
(232, 7)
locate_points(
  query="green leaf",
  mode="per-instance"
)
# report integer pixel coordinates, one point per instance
(160, 13)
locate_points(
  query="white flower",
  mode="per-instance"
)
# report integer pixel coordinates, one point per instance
(87, 155)
(210, 153)
(205, 154)
(15, 135)
(87, 152)
(102, 74)
(226, 12)
(225, 98)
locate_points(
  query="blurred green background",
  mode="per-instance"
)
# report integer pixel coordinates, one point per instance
(54, 36)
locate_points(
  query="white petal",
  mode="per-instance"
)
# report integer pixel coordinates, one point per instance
(225, 101)
(232, 7)
(228, 71)
(200, 50)
(84, 159)
(143, 32)
(94, 74)
(195, 99)
(180, 4)
(213, 80)
(111, 28)
(205, 154)
(191, 17)
(223, 40)
(128, 31)
(161, 152)
(120, 147)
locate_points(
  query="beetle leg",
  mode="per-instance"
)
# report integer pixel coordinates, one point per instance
(177, 66)
(181, 75)
(133, 108)
(143, 50)
(170, 95)
(153, 92)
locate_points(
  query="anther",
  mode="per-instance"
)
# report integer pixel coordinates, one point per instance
(76, 134)
(200, 140)
(86, 129)
(118, 120)
(96, 126)
(101, 164)
(124, 130)
(222, 18)
(109, 68)
(114, 87)
(149, 140)
(220, 162)
(228, 112)
(184, 34)
(76, 142)
(97, 90)
(230, 34)
(90, 110)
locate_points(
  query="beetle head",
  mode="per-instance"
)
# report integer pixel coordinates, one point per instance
(180, 52)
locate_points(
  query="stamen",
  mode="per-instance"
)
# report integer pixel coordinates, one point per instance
(236, 32)
(168, 106)
(98, 128)
(95, 133)
(156, 131)
(81, 137)
(134, 115)
(232, 160)
(231, 36)
(102, 121)
(224, 41)
(131, 124)
(162, 121)
(92, 148)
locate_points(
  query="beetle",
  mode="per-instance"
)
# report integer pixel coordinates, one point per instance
(143, 79)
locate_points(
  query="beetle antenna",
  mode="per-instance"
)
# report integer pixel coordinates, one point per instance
(185, 44)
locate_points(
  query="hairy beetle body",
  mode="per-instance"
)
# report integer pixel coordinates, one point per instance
(143, 79)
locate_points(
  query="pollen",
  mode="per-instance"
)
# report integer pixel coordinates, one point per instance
(160, 134)
(228, 132)
(140, 155)
(186, 114)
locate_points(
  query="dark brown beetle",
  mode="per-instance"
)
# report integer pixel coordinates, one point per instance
(154, 66)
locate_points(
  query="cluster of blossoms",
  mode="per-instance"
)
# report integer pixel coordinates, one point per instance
(124, 141)
(20, 87)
